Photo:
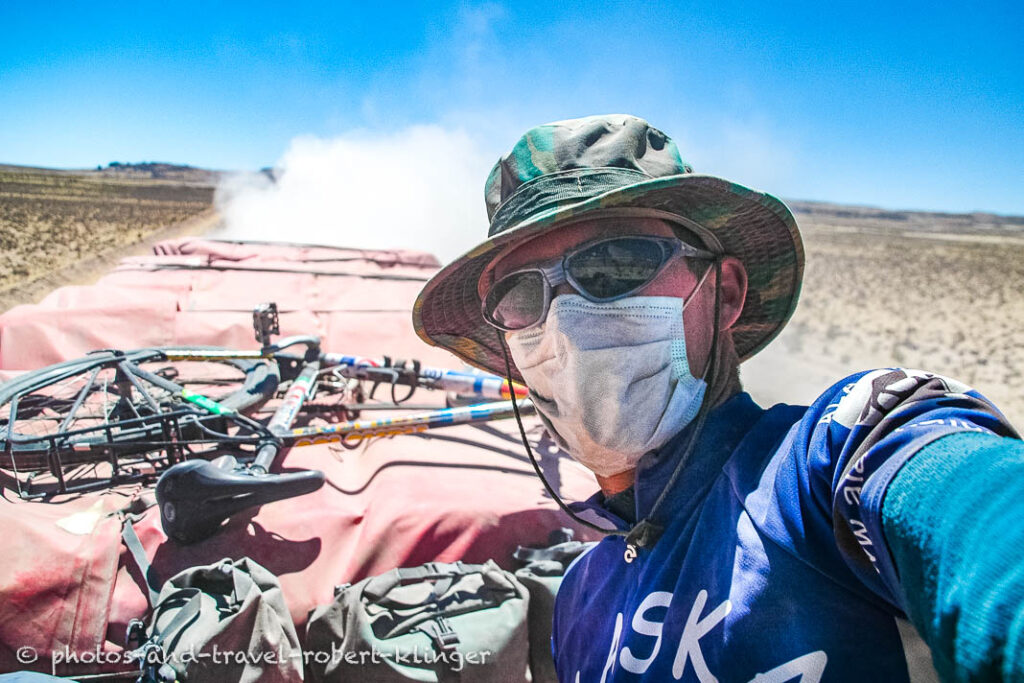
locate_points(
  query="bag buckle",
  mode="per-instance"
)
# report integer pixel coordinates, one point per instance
(445, 637)
(136, 635)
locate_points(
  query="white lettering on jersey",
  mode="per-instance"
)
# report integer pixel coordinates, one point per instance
(809, 668)
(695, 629)
(851, 494)
(645, 627)
(860, 531)
(612, 650)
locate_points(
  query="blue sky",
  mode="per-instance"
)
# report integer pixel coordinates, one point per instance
(901, 105)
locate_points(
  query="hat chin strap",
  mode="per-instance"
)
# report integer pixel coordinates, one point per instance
(646, 532)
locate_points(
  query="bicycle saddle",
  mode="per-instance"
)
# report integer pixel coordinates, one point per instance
(196, 496)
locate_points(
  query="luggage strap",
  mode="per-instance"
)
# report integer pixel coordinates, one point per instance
(134, 545)
(381, 585)
(445, 641)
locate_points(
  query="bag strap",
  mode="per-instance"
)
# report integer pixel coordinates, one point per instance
(379, 586)
(241, 580)
(150, 651)
(563, 553)
(134, 545)
(183, 619)
(445, 641)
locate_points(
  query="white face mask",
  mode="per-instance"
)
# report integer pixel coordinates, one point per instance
(610, 380)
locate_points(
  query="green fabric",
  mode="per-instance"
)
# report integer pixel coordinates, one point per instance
(954, 520)
(388, 628)
(232, 606)
(542, 575)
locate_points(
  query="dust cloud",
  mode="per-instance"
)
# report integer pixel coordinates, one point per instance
(419, 188)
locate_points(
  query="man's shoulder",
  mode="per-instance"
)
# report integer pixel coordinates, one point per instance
(811, 438)
(867, 399)
(865, 396)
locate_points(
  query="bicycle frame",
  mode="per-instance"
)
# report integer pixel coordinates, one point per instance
(479, 385)
(363, 368)
(196, 495)
(195, 498)
(359, 430)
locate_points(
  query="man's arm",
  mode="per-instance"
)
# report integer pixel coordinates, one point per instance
(926, 488)
(953, 519)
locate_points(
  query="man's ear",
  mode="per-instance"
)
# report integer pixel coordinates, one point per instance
(733, 291)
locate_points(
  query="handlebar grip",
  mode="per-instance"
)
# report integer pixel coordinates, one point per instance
(195, 497)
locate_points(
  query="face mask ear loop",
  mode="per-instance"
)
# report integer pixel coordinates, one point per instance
(533, 459)
(647, 532)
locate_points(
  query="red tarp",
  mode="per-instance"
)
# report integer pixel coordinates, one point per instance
(458, 493)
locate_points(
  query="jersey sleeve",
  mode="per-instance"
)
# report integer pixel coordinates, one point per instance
(856, 437)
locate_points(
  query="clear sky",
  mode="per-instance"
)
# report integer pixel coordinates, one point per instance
(901, 105)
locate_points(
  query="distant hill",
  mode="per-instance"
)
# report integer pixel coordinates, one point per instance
(161, 171)
(147, 170)
(861, 218)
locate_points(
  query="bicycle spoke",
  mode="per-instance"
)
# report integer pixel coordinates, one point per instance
(80, 400)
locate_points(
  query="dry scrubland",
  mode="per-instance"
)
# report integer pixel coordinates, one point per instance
(936, 292)
(50, 220)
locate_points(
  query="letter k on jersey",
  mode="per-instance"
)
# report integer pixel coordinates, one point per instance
(696, 628)
(805, 669)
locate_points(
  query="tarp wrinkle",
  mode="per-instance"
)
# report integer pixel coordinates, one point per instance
(398, 501)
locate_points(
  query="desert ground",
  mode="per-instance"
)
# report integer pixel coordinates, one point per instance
(936, 292)
(59, 227)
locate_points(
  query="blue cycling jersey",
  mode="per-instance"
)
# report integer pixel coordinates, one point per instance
(772, 565)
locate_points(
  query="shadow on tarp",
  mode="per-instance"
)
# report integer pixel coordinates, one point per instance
(459, 493)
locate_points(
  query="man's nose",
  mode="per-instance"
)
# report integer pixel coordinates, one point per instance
(564, 288)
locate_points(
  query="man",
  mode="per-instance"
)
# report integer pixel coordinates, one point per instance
(745, 544)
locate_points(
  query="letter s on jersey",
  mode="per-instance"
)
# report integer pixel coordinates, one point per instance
(644, 626)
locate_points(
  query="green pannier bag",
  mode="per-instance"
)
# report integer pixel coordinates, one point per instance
(440, 622)
(221, 622)
(542, 575)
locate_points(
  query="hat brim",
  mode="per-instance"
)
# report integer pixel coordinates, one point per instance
(753, 226)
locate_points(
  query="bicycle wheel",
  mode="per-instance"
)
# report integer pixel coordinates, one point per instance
(126, 407)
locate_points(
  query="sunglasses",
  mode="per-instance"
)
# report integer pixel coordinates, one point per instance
(601, 270)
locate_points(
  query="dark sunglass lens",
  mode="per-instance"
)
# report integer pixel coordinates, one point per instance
(516, 301)
(616, 267)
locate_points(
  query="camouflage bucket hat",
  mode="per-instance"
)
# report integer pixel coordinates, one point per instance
(582, 168)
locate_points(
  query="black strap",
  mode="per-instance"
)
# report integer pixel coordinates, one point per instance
(533, 458)
(152, 654)
(647, 532)
(563, 553)
(134, 545)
